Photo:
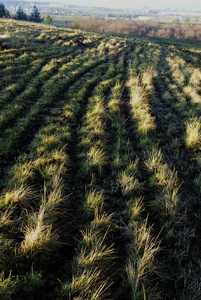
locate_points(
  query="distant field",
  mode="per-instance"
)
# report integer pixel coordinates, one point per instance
(90, 14)
(100, 165)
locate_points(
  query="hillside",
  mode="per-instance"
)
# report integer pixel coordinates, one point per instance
(100, 165)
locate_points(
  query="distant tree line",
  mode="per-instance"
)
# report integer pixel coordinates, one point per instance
(125, 16)
(140, 28)
(21, 15)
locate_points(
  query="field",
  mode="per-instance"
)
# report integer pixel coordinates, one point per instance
(100, 165)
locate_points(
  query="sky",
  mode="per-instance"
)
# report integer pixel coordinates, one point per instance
(125, 3)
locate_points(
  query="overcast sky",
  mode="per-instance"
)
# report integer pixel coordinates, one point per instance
(124, 3)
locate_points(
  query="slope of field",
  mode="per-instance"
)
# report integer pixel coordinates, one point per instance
(100, 165)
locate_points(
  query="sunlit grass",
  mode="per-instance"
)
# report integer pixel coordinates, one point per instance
(94, 199)
(16, 196)
(87, 285)
(142, 250)
(128, 180)
(140, 107)
(154, 159)
(193, 133)
(165, 180)
(96, 159)
(38, 235)
(99, 253)
(7, 286)
(193, 94)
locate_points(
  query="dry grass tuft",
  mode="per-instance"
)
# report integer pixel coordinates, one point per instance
(96, 159)
(165, 181)
(142, 249)
(193, 133)
(140, 107)
(38, 235)
(94, 199)
(20, 195)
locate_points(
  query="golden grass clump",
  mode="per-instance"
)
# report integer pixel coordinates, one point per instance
(114, 105)
(140, 107)
(5, 218)
(141, 251)
(89, 280)
(165, 181)
(38, 235)
(117, 90)
(154, 159)
(7, 286)
(54, 196)
(177, 65)
(96, 118)
(95, 252)
(22, 172)
(94, 199)
(195, 76)
(96, 159)
(192, 93)
(128, 181)
(87, 285)
(193, 133)
(50, 65)
(102, 220)
(98, 113)
(19, 195)
(148, 76)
